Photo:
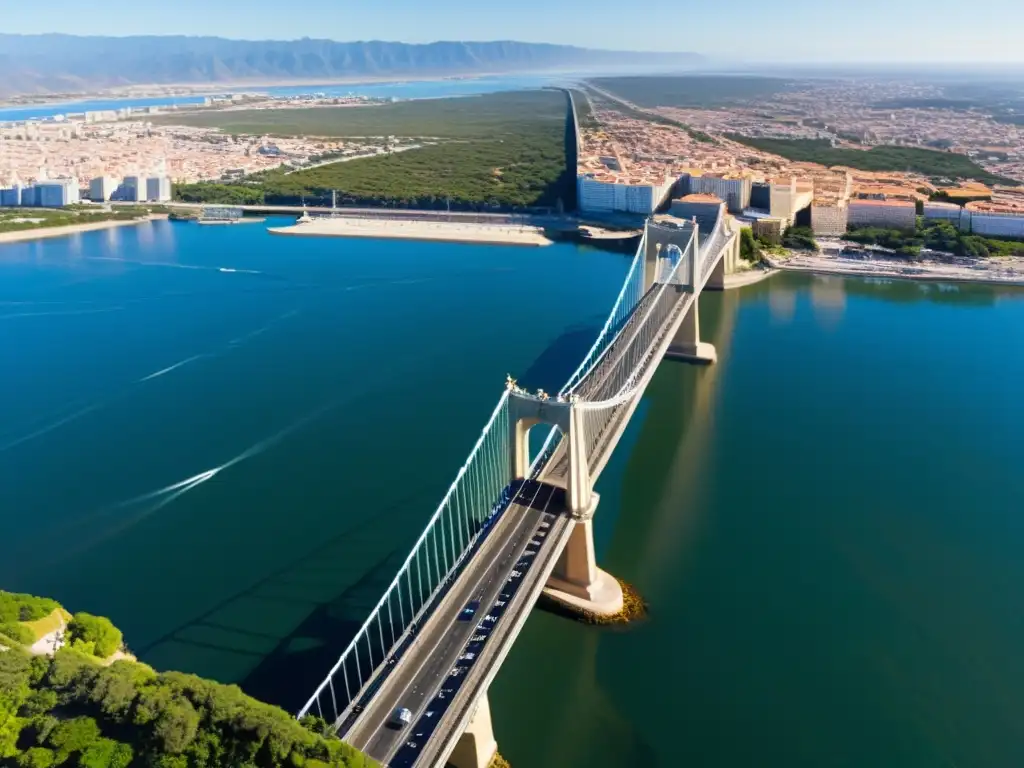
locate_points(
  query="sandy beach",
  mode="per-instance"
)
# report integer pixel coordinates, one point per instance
(748, 277)
(445, 231)
(42, 233)
(1002, 271)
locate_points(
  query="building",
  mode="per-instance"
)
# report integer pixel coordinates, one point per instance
(829, 219)
(769, 229)
(888, 214)
(11, 197)
(29, 196)
(158, 189)
(102, 188)
(57, 193)
(948, 211)
(129, 190)
(788, 199)
(993, 219)
(699, 206)
(734, 190)
(607, 193)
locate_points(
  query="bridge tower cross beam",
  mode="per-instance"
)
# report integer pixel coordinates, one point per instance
(526, 411)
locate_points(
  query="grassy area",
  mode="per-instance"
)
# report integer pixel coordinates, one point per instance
(472, 117)
(44, 626)
(696, 91)
(498, 151)
(886, 158)
(20, 219)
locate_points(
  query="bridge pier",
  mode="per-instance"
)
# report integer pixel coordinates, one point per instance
(477, 746)
(725, 265)
(576, 582)
(686, 346)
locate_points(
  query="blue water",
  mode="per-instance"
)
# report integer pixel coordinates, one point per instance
(419, 89)
(326, 389)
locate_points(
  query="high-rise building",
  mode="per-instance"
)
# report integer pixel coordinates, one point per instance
(57, 193)
(11, 197)
(128, 191)
(158, 189)
(102, 188)
(892, 214)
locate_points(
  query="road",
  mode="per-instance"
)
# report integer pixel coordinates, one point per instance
(434, 668)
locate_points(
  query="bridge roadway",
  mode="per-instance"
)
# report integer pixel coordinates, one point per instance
(441, 675)
(433, 670)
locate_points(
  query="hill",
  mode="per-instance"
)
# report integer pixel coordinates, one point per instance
(66, 63)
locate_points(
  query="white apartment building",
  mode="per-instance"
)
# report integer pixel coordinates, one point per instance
(158, 189)
(829, 220)
(997, 223)
(947, 211)
(57, 193)
(612, 195)
(734, 191)
(889, 214)
(102, 188)
(789, 199)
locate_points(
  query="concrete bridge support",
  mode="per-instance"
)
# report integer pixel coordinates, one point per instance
(476, 747)
(725, 265)
(686, 346)
(577, 582)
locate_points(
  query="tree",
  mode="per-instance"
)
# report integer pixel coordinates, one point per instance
(75, 735)
(749, 248)
(86, 628)
(36, 757)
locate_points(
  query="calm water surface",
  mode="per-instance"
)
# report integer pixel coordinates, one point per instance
(828, 527)
(227, 442)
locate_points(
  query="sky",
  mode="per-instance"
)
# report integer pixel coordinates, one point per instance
(841, 31)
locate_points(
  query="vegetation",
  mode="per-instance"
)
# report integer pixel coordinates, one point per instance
(502, 151)
(885, 158)
(94, 634)
(750, 249)
(936, 235)
(69, 711)
(697, 91)
(800, 238)
(19, 219)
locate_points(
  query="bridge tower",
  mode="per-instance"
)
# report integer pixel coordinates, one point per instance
(576, 581)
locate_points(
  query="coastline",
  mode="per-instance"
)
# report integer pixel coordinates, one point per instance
(440, 231)
(926, 271)
(748, 277)
(43, 233)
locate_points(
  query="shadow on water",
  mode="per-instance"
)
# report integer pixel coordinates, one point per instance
(328, 592)
(556, 364)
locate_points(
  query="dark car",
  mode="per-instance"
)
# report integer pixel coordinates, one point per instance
(469, 611)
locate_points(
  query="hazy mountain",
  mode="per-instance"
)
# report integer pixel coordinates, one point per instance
(62, 63)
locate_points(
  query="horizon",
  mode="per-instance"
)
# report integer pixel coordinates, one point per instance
(915, 32)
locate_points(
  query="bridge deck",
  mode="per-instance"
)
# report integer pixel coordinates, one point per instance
(446, 649)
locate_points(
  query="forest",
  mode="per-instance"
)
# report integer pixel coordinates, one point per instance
(500, 151)
(927, 162)
(696, 91)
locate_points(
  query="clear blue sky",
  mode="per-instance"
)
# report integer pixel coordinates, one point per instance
(785, 30)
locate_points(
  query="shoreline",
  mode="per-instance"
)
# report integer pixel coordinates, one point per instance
(935, 273)
(748, 277)
(435, 231)
(44, 233)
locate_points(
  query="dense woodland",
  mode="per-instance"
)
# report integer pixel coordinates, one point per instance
(78, 710)
(500, 151)
(885, 158)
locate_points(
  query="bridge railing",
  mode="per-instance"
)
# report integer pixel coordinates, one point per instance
(629, 296)
(710, 248)
(480, 490)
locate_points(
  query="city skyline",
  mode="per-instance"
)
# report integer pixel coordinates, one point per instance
(877, 32)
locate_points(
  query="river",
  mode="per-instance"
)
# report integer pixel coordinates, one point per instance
(227, 441)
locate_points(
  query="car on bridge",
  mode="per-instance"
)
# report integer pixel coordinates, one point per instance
(469, 611)
(400, 718)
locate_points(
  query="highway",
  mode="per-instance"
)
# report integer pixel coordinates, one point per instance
(437, 663)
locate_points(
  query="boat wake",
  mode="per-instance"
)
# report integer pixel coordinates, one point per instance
(168, 369)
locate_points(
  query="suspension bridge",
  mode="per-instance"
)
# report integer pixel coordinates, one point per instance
(512, 527)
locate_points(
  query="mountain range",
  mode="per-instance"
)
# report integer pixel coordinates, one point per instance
(68, 63)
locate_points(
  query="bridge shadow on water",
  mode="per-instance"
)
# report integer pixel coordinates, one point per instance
(278, 637)
(556, 364)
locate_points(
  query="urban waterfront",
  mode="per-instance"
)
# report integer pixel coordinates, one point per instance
(227, 442)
